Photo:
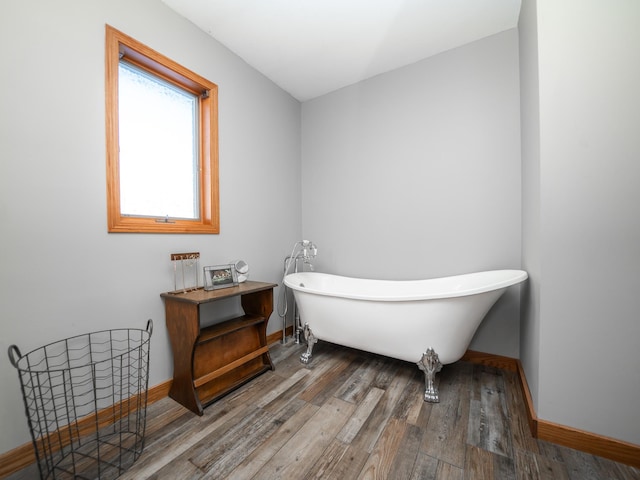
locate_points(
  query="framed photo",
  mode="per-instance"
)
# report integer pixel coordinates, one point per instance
(220, 276)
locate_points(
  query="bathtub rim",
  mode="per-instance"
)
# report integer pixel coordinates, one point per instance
(496, 280)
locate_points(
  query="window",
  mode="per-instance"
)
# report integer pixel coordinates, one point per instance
(162, 142)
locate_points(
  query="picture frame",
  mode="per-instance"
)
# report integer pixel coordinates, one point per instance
(220, 276)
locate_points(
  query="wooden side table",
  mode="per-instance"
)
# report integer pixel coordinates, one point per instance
(209, 362)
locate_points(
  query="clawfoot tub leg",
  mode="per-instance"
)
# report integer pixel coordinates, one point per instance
(430, 365)
(311, 341)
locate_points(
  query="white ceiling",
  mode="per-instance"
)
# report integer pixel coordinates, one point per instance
(312, 47)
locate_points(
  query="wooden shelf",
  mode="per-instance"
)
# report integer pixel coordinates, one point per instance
(198, 382)
(209, 362)
(229, 326)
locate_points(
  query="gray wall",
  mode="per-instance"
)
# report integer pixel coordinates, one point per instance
(588, 250)
(530, 138)
(416, 174)
(62, 274)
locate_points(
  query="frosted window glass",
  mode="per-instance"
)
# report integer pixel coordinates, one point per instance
(158, 134)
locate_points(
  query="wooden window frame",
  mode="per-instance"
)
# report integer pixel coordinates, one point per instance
(118, 43)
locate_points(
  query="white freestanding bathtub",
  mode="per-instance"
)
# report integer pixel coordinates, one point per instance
(428, 322)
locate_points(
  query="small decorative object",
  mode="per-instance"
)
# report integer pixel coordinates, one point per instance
(242, 269)
(185, 271)
(220, 276)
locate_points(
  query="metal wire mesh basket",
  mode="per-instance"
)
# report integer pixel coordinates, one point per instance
(86, 400)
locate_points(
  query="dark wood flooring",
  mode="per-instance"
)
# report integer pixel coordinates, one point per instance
(354, 415)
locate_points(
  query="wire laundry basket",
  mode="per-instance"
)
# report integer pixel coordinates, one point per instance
(85, 398)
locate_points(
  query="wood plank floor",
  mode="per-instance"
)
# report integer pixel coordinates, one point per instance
(353, 415)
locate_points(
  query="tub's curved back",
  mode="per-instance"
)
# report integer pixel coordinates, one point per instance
(400, 319)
